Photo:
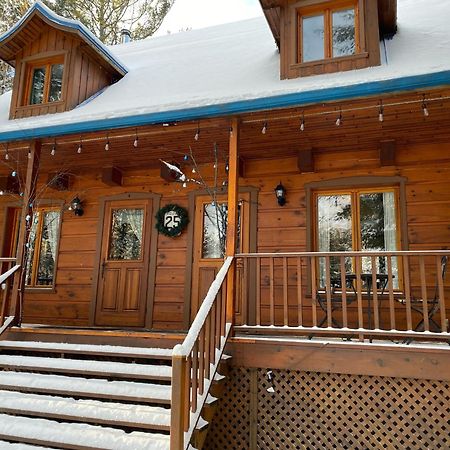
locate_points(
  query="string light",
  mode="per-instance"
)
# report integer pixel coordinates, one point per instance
(80, 146)
(186, 157)
(339, 120)
(6, 153)
(29, 152)
(13, 173)
(231, 132)
(136, 140)
(302, 123)
(426, 113)
(107, 143)
(53, 149)
(264, 128)
(197, 133)
(381, 112)
(193, 170)
(184, 184)
(214, 166)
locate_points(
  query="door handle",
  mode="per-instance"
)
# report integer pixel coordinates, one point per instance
(103, 268)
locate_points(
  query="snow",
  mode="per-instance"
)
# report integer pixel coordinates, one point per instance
(86, 367)
(61, 407)
(86, 348)
(239, 61)
(76, 385)
(79, 435)
(10, 446)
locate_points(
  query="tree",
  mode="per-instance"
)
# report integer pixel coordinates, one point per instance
(106, 18)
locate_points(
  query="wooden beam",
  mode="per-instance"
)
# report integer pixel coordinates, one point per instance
(404, 361)
(232, 227)
(387, 153)
(112, 176)
(29, 196)
(305, 160)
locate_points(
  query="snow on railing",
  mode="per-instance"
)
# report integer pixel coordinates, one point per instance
(4, 284)
(196, 360)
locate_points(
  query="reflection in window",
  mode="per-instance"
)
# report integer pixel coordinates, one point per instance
(344, 42)
(41, 249)
(55, 83)
(37, 86)
(313, 30)
(125, 239)
(215, 218)
(371, 215)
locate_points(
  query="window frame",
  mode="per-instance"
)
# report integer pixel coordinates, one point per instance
(46, 62)
(36, 256)
(326, 9)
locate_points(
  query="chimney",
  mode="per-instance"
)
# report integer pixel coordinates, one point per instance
(125, 36)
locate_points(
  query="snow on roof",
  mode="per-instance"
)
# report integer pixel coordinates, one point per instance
(234, 68)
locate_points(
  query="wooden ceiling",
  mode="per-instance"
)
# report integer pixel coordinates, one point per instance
(404, 121)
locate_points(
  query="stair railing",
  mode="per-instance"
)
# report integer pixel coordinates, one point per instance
(6, 280)
(196, 360)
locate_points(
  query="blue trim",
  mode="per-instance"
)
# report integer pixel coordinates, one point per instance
(405, 84)
(72, 24)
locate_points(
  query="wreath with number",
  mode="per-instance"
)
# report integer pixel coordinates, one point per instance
(171, 220)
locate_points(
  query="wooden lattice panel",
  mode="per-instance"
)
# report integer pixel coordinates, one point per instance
(330, 411)
(231, 425)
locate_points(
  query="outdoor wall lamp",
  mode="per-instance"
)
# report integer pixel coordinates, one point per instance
(76, 206)
(280, 193)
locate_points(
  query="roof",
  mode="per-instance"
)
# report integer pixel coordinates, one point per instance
(15, 38)
(234, 68)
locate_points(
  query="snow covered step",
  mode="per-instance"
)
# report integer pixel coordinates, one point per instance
(85, 387)
(87, 367)
(97, 350)
(77, 436)
(87, 411)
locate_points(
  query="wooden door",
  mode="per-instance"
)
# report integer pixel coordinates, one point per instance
(209, 243)
(124, 263)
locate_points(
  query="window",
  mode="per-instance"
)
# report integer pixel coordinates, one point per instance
(327, 32)
(42, 246)
(357, 220)
(44, 81)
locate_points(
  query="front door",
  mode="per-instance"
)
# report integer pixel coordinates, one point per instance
(124, 263)
(209, 242)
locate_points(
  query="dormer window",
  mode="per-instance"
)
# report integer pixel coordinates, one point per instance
(327, 31)
(44, 81)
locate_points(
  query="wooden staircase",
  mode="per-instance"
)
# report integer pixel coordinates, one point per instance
(81, 396)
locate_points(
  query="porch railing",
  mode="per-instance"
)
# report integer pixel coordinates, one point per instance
(8, 270)
(374, 294)
(196, 360)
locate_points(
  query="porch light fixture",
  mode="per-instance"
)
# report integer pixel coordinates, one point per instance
(76, 206)
(280, 193)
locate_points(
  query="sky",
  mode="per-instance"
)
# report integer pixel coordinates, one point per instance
(203, 13)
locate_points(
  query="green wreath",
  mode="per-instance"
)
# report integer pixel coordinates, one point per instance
(171, 220)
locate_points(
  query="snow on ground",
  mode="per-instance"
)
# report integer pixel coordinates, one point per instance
(240, 61)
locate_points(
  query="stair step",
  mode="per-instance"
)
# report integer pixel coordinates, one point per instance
(97, 350)
(87, 367)
(77, 436)
(85, 387)
(18, 446)
(88, 411)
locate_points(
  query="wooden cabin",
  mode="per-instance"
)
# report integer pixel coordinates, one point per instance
(234, 238)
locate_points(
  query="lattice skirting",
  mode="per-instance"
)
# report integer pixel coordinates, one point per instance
(318, 411)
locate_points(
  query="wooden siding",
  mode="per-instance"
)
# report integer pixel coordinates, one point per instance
(87, 75)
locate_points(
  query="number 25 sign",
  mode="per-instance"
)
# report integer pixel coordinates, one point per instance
(171, 220)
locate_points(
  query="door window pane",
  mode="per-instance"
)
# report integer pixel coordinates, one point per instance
(313, 31)
(344, 42)
(125, 239)
(55, 83)
(37, 86)
(334, 231)
(215, 218)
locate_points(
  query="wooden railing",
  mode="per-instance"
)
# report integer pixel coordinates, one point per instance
(6, 281)
(195, 361)
(374, 294)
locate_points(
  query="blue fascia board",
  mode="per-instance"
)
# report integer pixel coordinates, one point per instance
(67, 23)
(363, 90)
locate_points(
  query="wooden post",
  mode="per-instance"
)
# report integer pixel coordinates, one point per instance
(232, 228)
(29, 196)
(177, 420)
